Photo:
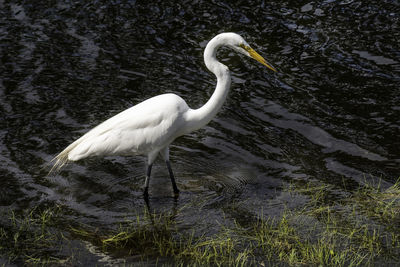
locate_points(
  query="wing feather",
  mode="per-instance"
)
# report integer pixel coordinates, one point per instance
(137, 130)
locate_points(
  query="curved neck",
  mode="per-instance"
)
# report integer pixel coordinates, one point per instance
(197, 118)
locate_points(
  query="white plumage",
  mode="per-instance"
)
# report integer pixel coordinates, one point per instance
(149, 127)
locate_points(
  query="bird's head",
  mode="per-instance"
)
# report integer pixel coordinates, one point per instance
(237, 43)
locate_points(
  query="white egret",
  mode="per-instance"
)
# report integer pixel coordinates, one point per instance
(149, 127)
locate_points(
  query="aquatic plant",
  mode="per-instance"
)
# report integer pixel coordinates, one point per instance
(358, 229)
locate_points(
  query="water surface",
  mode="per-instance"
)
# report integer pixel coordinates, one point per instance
(330, 114)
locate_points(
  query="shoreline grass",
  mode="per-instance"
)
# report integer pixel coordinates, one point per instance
(359, 229)
(30, 237)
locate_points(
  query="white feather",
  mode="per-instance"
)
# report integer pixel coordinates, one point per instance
(150, 126)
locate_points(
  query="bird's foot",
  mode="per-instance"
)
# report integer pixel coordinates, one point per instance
(176, 193)
(146, 194)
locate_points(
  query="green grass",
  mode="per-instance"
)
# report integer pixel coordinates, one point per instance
(29, 237)
(360, 229)
(357, 228)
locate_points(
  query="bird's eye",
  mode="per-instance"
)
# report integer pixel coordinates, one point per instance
(245, 47)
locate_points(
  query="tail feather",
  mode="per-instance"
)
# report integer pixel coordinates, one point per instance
(64, 157)
(58, 162)
(61, 159)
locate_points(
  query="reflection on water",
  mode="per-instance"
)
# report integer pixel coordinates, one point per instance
(330, 113)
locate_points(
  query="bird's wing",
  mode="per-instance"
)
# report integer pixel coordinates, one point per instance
(136, 130)
(125, 137)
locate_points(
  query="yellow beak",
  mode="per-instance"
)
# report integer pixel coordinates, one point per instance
(259, 58)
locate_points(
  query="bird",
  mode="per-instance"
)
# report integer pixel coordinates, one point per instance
(148, 128)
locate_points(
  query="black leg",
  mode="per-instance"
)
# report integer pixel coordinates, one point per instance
(146, 184)
(171, 175)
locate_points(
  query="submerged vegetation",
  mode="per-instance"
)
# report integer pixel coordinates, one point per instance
(30, 237)
(361, 228)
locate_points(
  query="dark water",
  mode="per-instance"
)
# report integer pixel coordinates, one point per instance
(331, 113)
